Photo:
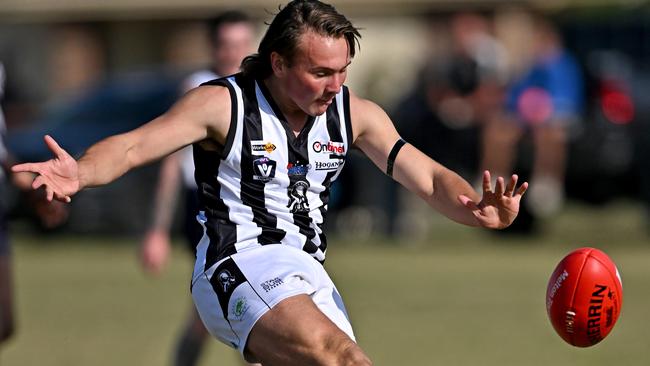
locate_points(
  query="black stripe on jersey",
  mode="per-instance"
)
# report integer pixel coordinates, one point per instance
(346, 113)
(252, 191)
(334, 131)
(222, 232)
(207, 159)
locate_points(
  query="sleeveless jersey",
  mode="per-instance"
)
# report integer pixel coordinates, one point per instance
(266, 185)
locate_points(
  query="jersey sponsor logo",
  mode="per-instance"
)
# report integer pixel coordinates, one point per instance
(330, 147)
(298, 169)
(226, 280)
(298, 197)
(261, 147)
(264, 169)
(328, 165)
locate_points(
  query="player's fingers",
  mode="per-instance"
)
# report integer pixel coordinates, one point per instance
(54, 147)
(38, 182)
(49, 193)
(510, 188)
(62, 197)
(487, 185)
(467, 202)
(25, 167)
(522, 189)
(500, 187)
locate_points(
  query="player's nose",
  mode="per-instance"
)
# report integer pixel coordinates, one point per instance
(334, 83)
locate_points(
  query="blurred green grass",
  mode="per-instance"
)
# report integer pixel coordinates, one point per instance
(457, 296)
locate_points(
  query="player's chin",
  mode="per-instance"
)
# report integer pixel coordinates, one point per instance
(319, 107)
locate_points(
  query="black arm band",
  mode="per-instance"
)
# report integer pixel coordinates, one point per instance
(393, 155)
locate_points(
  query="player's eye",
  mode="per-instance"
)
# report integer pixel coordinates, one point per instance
(321, 73)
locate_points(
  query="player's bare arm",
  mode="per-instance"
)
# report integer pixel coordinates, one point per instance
(440, 187)
(202, 113)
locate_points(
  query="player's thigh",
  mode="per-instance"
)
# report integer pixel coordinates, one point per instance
(296, 332)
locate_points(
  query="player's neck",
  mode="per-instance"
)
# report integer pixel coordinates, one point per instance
(295, 116)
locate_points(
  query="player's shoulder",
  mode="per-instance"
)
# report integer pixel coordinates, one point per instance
(362, 108)
(209, 93)
(197, 78)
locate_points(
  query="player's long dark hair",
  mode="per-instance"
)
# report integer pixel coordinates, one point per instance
(283, 34)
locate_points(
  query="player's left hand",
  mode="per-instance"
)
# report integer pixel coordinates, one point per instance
(498, 208)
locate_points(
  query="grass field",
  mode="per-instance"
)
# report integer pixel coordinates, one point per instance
(462, 297)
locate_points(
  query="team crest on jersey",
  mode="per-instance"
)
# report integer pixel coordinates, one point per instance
(226, 280)
(264, 169)
(298, 196)
(260, 147)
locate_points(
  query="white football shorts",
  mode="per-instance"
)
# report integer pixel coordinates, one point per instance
(235, 292)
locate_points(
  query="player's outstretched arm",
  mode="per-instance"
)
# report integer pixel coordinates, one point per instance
(441, 188)
(202, 113)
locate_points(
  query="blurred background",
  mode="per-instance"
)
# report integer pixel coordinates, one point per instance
(553, 90)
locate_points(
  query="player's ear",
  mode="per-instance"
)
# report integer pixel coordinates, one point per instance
(278, 64)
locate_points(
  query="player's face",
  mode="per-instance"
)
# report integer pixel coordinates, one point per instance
(235, 41)
(317, 72)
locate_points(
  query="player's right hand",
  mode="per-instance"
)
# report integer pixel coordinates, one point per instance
(59, 175)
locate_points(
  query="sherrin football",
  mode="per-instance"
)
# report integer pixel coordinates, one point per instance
(584, 297)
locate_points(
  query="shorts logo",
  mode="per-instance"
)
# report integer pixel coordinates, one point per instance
(330, 147)
(226, 279)
(258, 147)
(263, 169)
(271, 284)
(239, 308)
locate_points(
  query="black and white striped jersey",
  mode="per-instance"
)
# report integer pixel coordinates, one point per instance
(266, 185)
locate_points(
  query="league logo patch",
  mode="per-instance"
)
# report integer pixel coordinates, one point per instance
(264, 169)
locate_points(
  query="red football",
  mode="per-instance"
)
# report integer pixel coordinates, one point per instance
(584, 297)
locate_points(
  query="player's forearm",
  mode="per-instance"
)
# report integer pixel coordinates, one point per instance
(447, 186)
(104, 162)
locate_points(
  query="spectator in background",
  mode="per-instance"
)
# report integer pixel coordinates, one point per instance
(232, 36)
(458, 88)
(50, 217)
(545, 101)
